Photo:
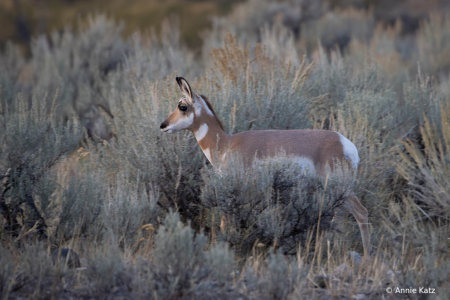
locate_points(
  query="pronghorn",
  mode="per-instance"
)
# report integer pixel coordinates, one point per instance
(317, 150)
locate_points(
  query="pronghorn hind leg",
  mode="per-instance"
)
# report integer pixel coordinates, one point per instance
(353, 206)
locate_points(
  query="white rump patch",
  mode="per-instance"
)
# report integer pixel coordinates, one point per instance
(207, 153)
(350, 151)
(201, 132)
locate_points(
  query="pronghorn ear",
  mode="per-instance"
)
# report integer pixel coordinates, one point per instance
(185, 88)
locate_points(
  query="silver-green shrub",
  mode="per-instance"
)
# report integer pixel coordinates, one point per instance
(32, 141)
(182, 262)
(81, 204)
(126, 207)
(106, 271)
(273, 203)
(25, 271)
(281, 277)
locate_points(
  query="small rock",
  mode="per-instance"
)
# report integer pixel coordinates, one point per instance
(398, 239)
(386, 282)
(206, 286)
(83, 262)
(335, 282)
(64, 256)
(321, 281)
(356, 258)
(359, 297)
(392, 274)
(342, 268)
(344, 272)
(364, 281)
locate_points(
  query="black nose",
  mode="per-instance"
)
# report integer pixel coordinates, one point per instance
(163, 125)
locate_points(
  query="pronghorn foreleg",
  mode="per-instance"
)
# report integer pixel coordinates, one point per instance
(353, 206)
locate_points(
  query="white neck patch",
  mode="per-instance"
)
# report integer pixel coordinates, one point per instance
(207, 153)
(198, 108)
(208, 111)
(201, 132)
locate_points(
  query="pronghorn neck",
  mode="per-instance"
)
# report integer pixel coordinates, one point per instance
(211, 137)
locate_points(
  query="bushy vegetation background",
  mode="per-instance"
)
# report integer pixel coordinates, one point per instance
(83, 164)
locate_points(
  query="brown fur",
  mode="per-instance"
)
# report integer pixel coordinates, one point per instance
(322, 147)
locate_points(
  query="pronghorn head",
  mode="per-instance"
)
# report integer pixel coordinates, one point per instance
(188, 110)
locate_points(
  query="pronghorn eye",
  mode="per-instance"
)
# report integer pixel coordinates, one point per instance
(182, 108)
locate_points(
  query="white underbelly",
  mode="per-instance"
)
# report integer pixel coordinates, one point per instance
(305, 165)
